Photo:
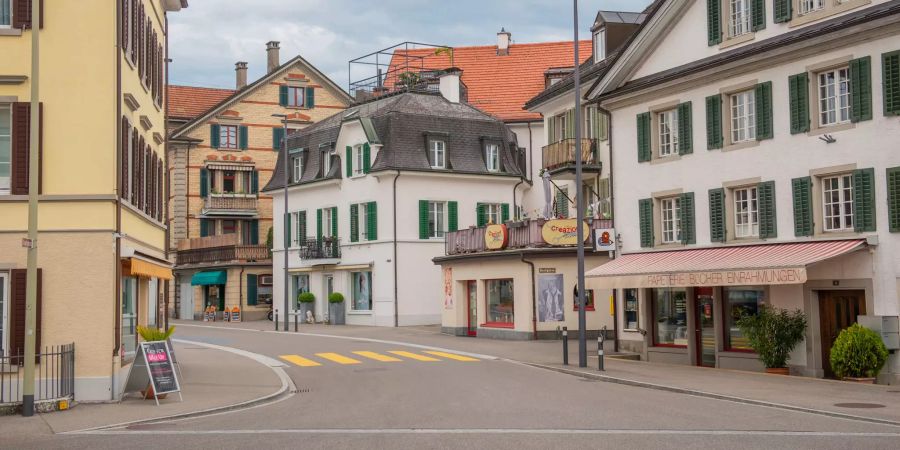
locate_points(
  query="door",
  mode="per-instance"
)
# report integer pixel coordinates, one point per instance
(472, 297)
(187, 301)
(837, 310)
(705, 337)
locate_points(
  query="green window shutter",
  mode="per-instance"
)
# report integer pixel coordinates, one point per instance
(562, 203)
(504, 212)
(758, 11)
(354, 218)
(861, 89)
(334, 221)
(349, 161)
(367, 155)
(310, 97)
(864, 200)
(643, 137)
(277, 136)
(803, 213)
(372, 221)
(204, 182)
(645, 209)
(214, 131)
(782, 10)
(254, 232)
(287, 229)
(423, 219)
(764, 120)
(714, 21)
(688, 228)
(452, 216)
(204, 227)
(242, 137)
(717, 215)
(685, 129)
(283, 95)
(768, 222)
(254, 182)
(319, 225)
(893, 192)
(798, 87)
(890, 68)
(714, 138)
(480, 214)
(301, 226)
(251, 289)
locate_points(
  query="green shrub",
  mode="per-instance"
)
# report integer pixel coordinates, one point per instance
(773, 333)
(858, 352)
(306, 297)
(269, 240)
(152, 334)
(336, 297)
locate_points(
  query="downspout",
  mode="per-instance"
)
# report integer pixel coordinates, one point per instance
(167, 190)
(530, 153)
(396, 273)
(533, 302)
(118, 263)
(612, 208)
(515, 207)
(241, 290)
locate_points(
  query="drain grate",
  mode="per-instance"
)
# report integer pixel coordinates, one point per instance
(859, 405)
(303, 391)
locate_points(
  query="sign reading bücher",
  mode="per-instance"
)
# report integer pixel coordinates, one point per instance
(727, 278)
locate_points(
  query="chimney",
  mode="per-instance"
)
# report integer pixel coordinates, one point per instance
(240, 74)
(450, 84)
(272, 52)
(503, 39)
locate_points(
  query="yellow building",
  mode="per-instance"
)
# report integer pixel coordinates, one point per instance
(222, 148)
(102, 233)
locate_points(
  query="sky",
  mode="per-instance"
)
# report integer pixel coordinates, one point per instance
(208, 37)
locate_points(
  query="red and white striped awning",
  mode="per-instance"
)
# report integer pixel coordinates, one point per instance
(762, 264)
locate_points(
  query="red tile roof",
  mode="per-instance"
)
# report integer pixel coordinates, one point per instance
(500, 85)
(188, 102)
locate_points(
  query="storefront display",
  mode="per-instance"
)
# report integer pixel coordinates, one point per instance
(740, 301)
(129, 316)
(500, 302)
(670, 317)
(362, 291)
(631, 309)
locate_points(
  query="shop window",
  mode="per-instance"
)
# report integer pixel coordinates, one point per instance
(362, 291)
(740, 301)
(670, 327)
(129, 317)
(588, 299)
(500, 302)
(264, 290)
(631, 309)
(299, 284)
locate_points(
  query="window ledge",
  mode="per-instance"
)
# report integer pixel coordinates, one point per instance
(827, 12)
(10, 32)
(740, 146)
(831, 129)
(359, 313)
(668, 348)
(737, 40)
(665, 159)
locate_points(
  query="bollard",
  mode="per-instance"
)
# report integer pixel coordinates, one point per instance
(276, 321)
(600, 338)
(565, 346)
(295, 321)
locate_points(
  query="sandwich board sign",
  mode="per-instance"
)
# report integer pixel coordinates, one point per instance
(154, 366)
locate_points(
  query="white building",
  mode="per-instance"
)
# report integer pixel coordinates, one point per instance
(754, 161)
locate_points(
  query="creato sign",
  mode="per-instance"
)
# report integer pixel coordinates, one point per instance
(496, 237)
(563, 232)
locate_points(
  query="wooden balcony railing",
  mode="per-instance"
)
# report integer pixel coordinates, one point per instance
(228, 202)
(521, 235)
(222, 248)
(562, 153)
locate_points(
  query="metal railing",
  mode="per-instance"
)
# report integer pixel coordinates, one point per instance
(228, 202)
(562, 153)
(54, 374)
(320, 248)
(525, 234)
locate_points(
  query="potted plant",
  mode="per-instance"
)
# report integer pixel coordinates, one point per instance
(858, 354)
(153, 335)
(306, 303)
(336, 308)
(773, 333)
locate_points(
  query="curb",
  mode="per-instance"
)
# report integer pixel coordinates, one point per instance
(696, 393)
(286, 390)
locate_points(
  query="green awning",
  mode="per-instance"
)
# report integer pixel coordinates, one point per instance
(209, 278)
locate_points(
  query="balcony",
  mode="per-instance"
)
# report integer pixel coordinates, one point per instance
(313, 248)
(230, 204)
(559, 159)
(219, 249)
(526, 234)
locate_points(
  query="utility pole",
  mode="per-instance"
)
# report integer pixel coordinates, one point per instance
(33, 185)
(579, 203)
(287, 219)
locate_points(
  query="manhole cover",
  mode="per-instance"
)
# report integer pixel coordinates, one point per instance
(859, 405)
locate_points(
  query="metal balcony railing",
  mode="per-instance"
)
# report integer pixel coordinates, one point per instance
(221, 248)
(313, 248)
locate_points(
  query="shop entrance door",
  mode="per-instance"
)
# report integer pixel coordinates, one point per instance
(187, 302)
(705, 336)
(472, 299)
(837, 310)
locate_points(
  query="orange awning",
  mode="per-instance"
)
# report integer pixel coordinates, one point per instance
(141, 268)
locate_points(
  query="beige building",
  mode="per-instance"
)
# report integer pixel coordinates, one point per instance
(223, 147)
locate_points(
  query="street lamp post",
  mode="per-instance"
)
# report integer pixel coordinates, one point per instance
(579, 202)
(287, 218)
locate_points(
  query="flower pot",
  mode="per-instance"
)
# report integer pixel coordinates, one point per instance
(304, 307)
(336, 313)
(860, 380)
(778, 370)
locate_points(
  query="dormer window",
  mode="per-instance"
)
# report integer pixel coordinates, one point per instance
(600, 45)
(297, 165)
(492, 157)
(437, 154)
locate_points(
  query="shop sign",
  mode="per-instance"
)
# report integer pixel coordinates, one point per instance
(727, 278)
(153, 367)
(562, 232)
(496, 237)
(547, 270)
(605, 240)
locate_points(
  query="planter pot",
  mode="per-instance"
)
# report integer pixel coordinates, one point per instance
(778, 370)
(862, 380)
(336, 313)
(304, 307)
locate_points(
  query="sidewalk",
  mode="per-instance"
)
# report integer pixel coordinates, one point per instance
(875, 402)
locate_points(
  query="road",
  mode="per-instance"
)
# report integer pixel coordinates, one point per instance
(360, 394)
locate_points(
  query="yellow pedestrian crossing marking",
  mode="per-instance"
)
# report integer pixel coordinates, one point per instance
(451, 356)
(378, 356)
(299, 360)
(413, 356)
(340, 359)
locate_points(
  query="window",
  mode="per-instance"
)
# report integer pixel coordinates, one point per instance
(600, 45)
(326, 161)
(437, 223)
(229, 182)
(591, 123)
(492, 213)
(671, 220)
(297, 162)
(740, 301)
(327, 221)
(129, 316)
(670, 317)
(808, 6)
(358, 156)
(560, 127)
(229, 226)
(500, 308)
(743, 116)
(834, 96)
(247, 235)
(588, 299)
(299, 284)
(362, 291)
(228, 136)
(739, 21)
(837, 193)
(264, 290)
(746, 212)
(296, 96)
(604, 203)
(362, 221)
(437, 154)
(5, 146)
(492, 157)
(152, 303)
(668, 132)
(5, 13)
(632, 321)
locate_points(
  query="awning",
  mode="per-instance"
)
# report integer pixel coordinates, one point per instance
(135, 267)
(209, 278)
(762, 264)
